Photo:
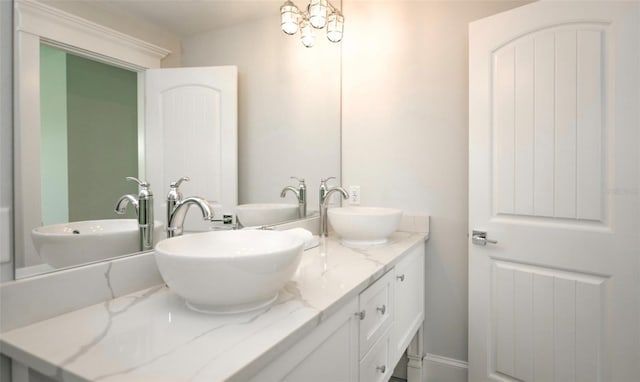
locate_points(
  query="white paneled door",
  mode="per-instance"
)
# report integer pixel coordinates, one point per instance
(554, 172)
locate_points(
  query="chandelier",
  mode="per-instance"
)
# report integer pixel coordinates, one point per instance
(319, 14)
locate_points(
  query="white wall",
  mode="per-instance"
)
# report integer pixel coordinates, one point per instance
(404, 137)
(288, 106)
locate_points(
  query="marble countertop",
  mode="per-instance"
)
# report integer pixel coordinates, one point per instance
(150, 335)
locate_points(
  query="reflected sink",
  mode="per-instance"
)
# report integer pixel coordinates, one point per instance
(364, 225)
(68, 244)
(258, 214)
(229, 271)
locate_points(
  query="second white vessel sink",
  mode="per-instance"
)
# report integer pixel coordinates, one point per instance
(74, 243)
(364, 225)
(229, 271)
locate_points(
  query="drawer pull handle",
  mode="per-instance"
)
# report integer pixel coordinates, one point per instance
(382, 369)
(400, 278)
(361, 315)
(382, 309)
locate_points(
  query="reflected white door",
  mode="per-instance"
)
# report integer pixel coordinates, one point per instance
(554, 178)
(191, 130)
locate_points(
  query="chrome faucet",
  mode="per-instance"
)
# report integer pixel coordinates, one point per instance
(174, 196)
(177, 208)
(143, 204)
(325, 193)
(301, 194)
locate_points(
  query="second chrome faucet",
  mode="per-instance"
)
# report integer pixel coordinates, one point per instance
(325, 193)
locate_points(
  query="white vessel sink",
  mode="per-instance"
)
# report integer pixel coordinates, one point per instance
(364, 225)
(258, 214)
(229, 271)
(69, 244)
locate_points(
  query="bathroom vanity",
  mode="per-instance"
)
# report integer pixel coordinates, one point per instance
(347, 315)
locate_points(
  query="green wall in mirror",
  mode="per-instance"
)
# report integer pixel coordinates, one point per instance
(89, 118)
(53, 131)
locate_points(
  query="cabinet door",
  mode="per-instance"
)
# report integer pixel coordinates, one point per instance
(328, 353)
(334, 360)
(409, 300)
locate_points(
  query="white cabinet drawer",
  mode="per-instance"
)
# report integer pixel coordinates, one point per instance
(376, 365)
(376, 311)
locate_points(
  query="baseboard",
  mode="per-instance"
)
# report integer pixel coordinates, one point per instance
(438, 368)
(452, 362)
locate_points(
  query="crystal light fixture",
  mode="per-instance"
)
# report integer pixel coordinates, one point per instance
(318, 15)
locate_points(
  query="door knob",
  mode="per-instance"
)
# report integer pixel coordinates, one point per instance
(480, 238)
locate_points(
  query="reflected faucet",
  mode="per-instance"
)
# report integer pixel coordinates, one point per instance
(301, 194)
(123, 202)
(143, 204)
(177, 208)
(325, 193)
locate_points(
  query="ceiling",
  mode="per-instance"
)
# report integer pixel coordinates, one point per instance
(187, 17)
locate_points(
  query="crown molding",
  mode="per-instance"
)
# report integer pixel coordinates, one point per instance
(78, 34)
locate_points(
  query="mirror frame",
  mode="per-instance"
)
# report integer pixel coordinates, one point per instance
(34, 23)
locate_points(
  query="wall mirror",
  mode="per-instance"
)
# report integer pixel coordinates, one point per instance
(288, 105)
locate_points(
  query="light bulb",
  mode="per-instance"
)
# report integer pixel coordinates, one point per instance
(318, 13)
(306, 34)
(335, 27)
(289, 15)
